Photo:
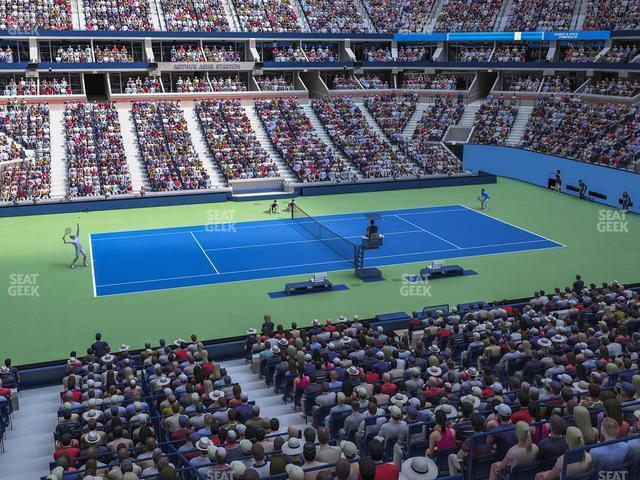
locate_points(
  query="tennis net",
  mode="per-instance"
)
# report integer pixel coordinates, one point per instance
(335, 242)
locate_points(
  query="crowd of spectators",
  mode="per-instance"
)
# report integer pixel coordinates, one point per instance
(166, 147)
(620, 54)
(96, 162)
(581, 54)
(334, 16)
(118, 15)
(274, 83)
(189, 54)
(320, 54)
(55, 87)
(232, 142)
(468, 16)
(377, 55)
(384, 14)
(560, 83)
(612, 15)
(7, 55)
(540, 15)
(391, 111)
(295, 139)
(438, 117)
(21, 87)
(432, 158)
(192, 83)
(113, 55)
(567, 126)
(514, 387)
(227, 83)
(510, 53)
(27, 125)
(342, 81)
(28, 15)
(350, 131)
(523, 82)
(119, 413)
(414, 15)
(143, 85)
(494, 120)
(70, 54)
(373, 81)
(195, 16)
(423, 81)
(620, 87)
(474, 54)
(266, 16)
(215, 53)
(289, 54)
(415, 53)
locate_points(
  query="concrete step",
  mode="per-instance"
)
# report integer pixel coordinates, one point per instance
(59, 173)
(137, 168)
(202, 148)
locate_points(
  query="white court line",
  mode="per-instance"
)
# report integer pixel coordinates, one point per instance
(297, 241)
(330, 220)
(427, 231)
(459, 249)
(204, 253)
(138, 292)
(93, 269)
(226, 273)
(512, 225)
(322, 263)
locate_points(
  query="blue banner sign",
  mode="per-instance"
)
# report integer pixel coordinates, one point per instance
(500, 36)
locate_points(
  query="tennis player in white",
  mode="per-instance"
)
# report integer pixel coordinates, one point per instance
(75, 241)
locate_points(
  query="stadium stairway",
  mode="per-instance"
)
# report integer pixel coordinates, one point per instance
(519, 126)
(469, 116)
(263, 137)
(29, 445)
(579, 14)
(232, 17)
(322, 134)
(270, 403)
(202, 149)
(157, 15)
(374, 125)
(137, 169)
(59, 177)
(77, 15)
(302, 18)
(412, 124)
(501, 22)
(436, 10)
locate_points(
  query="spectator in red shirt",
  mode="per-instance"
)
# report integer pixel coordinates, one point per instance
(522, 412)
(384, 471)
(66, 449)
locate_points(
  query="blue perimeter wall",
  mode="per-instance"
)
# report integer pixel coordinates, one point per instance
(533, 167)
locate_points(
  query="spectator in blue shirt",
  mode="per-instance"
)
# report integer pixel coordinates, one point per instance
(608, 456)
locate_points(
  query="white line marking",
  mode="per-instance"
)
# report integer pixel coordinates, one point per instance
(138, 292)
(200, 229)
(320, 263)
(296, 241)
(512, 225)
(426, 231)
(458, 249)
(204, 253)
(226, 273)
(93, 269)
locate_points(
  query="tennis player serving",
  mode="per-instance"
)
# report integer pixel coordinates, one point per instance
(75, 241)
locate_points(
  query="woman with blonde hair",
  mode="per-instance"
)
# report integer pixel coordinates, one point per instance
(574, 440)
(582, 419)
(523, 452)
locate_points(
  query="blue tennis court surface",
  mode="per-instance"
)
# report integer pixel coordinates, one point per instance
(138, 261)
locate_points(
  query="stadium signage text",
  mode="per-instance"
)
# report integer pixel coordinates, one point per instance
(206, 66)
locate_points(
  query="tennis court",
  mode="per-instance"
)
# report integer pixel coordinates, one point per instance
(144, 260)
